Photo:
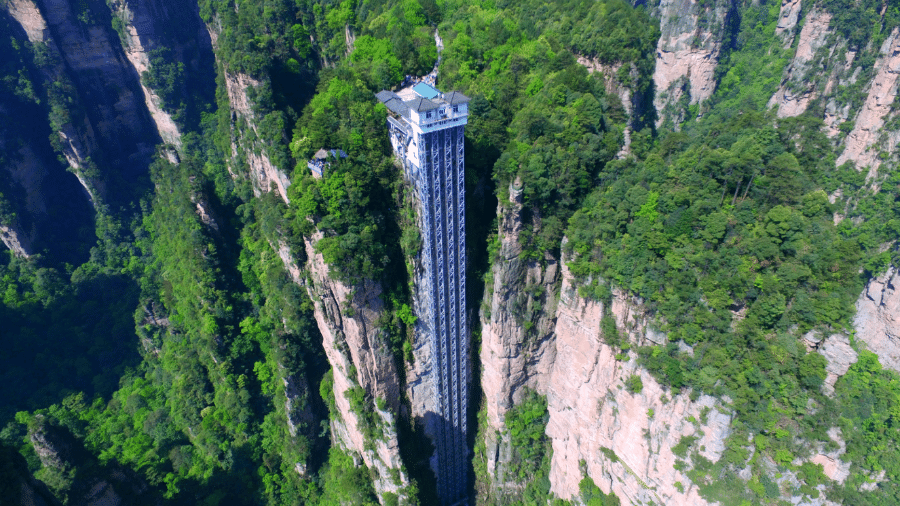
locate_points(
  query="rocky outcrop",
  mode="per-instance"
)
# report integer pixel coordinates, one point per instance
(797, 90)
(109, 86)
(108, 124)
(29, 176)
(64, 459)
(360, 358)
(788, 18)
(29, 16)
(41, 205)
(139, 38)
(867, 138)
(613, 87)
(16, 241)
(17, 486)
(518, 321)
(420, 374)
(877, 320)
(290, 264)
(687, 52)
(832, 465)
(837, 352)
(296, 408)
(263, 172)
(77, 138)
(625, 438)
(622, 439)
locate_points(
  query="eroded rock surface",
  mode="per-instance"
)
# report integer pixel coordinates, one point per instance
(360, 356)
(29, 16)
(512, 357)
(140, 38)
(867, 138)
(263, 172)
(687, 52)
(108, 84)
(15, 241)
(593, 416)
(832, 466)
(796, 90)
(877, 320)
(840, 356)
(788, 18)
(613, 87)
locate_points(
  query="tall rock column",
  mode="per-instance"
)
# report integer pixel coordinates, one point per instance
(514, 350)
(140, 37)
(366, 381)
(248, 150)
(687, 52)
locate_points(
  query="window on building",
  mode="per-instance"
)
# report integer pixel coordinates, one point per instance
(427, 114)
(455, 108)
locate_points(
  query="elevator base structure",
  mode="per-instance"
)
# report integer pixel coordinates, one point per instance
(427, 133)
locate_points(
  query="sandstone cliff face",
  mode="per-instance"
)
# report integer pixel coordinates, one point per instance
(838, 352)
(111, 123)
(263, 172)
(78, 139)
(112, 103)
(867, 138)
(591, 413)
(877, 320)
(822, 63)
(360, 356)
(797, 90)
(687, 52)
(16, 241)
(788, 17)
(512, 355)
(613, 87)
(29, 16)
(30, 176)
(420, 372)
(140, 37)
(624, 440)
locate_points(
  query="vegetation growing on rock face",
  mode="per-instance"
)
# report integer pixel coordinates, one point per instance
(166, 343)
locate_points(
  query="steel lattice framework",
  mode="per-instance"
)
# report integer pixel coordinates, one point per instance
(428, 136)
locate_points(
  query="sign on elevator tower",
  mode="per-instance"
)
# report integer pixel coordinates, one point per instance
(426, 130)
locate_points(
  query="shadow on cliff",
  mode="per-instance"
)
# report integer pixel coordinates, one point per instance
(481, 222)
(47, 202)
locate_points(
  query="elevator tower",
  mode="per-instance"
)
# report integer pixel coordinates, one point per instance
(426, 130)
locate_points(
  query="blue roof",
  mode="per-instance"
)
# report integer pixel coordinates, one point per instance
(425, 91)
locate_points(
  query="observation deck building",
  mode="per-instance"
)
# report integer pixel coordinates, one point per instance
(426, 131)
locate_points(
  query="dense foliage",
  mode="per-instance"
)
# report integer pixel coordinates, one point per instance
(726, 231)
(554, 124)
